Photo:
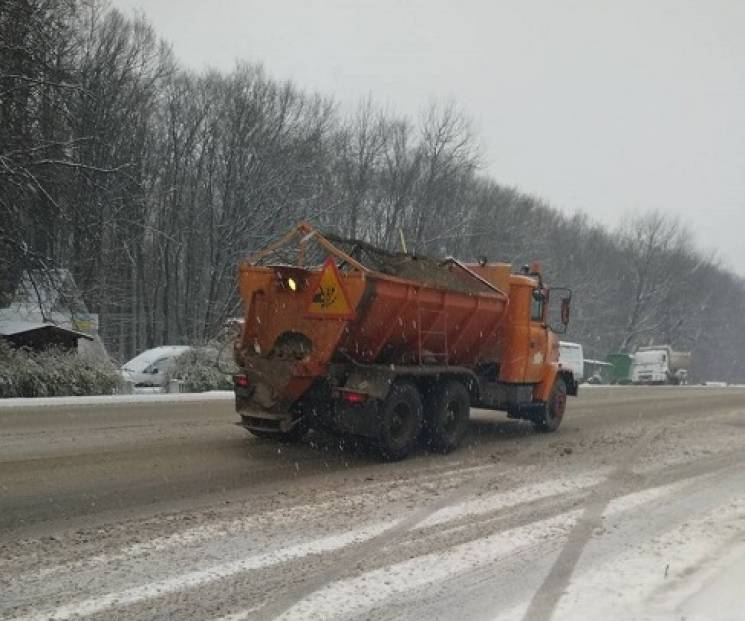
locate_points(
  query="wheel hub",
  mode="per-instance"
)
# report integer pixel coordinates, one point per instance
(560, 404)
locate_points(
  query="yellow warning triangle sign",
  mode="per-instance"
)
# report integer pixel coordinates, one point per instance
(329, 298)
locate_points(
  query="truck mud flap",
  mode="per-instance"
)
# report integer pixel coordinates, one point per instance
(527, 411)
(356, 419)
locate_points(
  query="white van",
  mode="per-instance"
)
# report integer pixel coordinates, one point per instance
(150, 368)
(572, 357)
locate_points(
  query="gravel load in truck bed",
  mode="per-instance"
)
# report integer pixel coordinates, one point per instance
(433, 272)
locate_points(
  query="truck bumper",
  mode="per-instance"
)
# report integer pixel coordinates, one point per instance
(649, 378)
(261, 421)
(254, 417)
(361, 419)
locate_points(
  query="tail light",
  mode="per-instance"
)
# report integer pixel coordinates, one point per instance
(353, 397)
(241, 381)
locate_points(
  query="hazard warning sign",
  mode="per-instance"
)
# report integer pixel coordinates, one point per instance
(329, 298)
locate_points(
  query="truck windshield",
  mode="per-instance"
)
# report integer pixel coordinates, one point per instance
(648, 357)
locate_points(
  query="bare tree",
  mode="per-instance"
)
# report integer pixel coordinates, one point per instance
(652, 246)
(150, 183)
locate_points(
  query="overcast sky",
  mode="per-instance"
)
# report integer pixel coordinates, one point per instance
(603, 106)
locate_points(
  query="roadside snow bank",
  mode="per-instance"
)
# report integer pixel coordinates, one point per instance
(36, 402)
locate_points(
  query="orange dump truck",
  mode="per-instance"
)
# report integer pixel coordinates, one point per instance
(393, 347)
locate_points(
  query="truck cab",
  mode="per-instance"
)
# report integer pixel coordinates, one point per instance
(650, 367)
(530, 383)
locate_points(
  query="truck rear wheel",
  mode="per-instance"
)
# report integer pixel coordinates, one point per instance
(400, 421)
(447, 414)
(553, 411)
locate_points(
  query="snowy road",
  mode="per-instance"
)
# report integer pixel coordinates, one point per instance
(635, 509)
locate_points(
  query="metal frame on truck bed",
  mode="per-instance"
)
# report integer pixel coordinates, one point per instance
(393, 347)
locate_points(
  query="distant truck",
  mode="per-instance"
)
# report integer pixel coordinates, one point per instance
(620, 368)
(572, 358)
(660, 364)
(597, 371)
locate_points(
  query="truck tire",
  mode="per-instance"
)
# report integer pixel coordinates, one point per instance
(553, 411)
(400, 421)
(446, 416)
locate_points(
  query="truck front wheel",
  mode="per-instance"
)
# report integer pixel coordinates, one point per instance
(553, 411)
(400, 421)
(447, 414)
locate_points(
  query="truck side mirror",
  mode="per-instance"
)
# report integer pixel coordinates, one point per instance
(559, 306)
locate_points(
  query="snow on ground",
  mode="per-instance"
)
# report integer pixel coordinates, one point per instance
(504, 499)
(154, 397)
(717, 385)
(650, 511)
(358, 596)
(207, 575)
(719, 589)
(694, 572)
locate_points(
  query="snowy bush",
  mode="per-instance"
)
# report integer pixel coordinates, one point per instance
(53, 373)
(199, 370)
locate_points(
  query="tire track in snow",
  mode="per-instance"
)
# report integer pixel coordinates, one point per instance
(546, 598)
(359, 595)
(382, 535)
(217, 528)
(193, 579)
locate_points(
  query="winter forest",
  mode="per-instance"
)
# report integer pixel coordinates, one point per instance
(149, 182)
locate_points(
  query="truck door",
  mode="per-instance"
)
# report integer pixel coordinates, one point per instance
(537, 337)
